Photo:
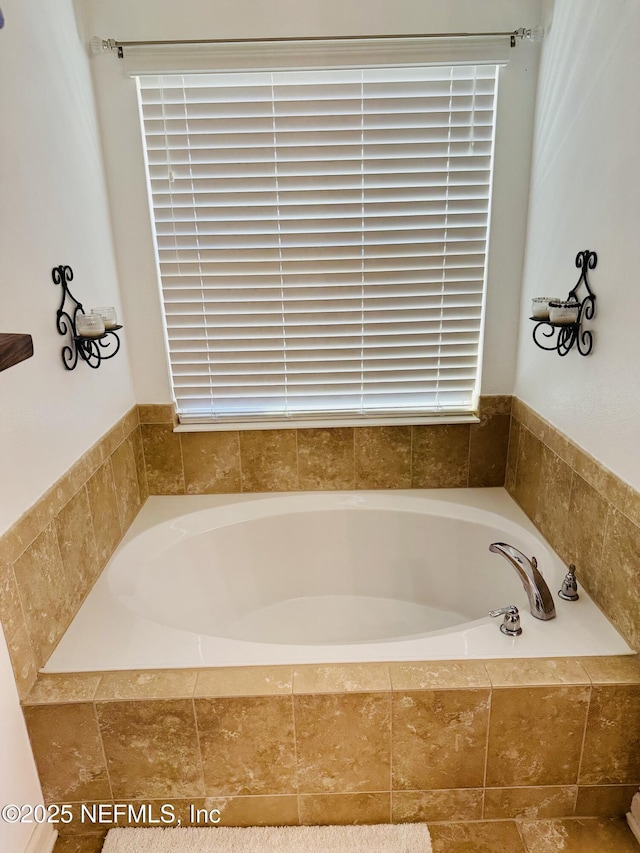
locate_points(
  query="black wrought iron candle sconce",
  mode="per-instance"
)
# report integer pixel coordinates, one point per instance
(562, 336)
(92, 349)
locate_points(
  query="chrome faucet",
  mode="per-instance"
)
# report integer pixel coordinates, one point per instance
(540, 599)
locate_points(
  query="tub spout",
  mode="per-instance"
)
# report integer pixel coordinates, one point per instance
(540, 599)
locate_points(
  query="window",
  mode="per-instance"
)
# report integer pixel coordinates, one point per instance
(322, 239)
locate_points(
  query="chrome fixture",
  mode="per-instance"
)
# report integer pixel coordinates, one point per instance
(569, 589)
(511, 622)
(540, 599)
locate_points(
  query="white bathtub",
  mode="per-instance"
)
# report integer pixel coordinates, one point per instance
(322, 578)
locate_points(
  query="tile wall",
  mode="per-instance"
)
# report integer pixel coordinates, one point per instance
(588, 515)
(368, 743)
(51, 557)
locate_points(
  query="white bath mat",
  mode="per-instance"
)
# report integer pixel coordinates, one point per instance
(381, 838)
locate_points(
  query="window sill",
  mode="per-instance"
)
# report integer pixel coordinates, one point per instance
(324, 423)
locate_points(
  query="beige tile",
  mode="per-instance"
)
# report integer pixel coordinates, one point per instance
(163, 459)
(66, 746)
(440, 456)
(244, 681)
(112, 439)
(383, 457)
(632, 505)
(247, 745)
(211, 462)
(495, 404)
(151, 748)
(552, 509)
(432, 675)
(11, 614)
(500, 803)
(343, 742)
(529, 466)
(77, 543)
(23, 660)
(29, 526)
(149, 684)
(578, 835)
(279, 810)
(125, 479)
(420, 806)
(604, 800)
(439, 739)
(603, 481)
(536, 671)
(155, 413)
(611, 753)
(341, 678)
(141, 470)
(269, 460)
(104, 511)
(480, 837)
(613, 669)
(617, 587)
(41, 584)
(326, 458)
(512, 456)
(585, 534)
(528, 725)
(344, 809)
(488, 449)
(130, 421)
(90, 842)
(67, 688)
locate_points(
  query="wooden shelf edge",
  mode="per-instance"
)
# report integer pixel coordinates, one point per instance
(14, 349)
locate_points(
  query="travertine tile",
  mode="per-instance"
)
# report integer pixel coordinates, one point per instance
(23, 660)
(141, 470)
(536, 671)
(67, 688)
(326, 458)
(130, 421)
(585, 534)
(343, 742)
(151, 748)
(439, 739)
(480, 837)
(344, 809)
(341, 678)
(421, 806)
(90, 842)
(632, 505)
(247, 745)
(440, 456)
(529, 466)
(163, 684)
(618, 582)
(431, 675)
(604, 800)
(77, 543)
(495, 404)
(29, 526)
(613, 669)
(603, 481)
(211, 462)
(104, 511)
(244, 681)
(279, 810)
(512, 456)
(578, 835)
(163, 459)
(383, 457)
(611, 753)
(155, 413)
(269, 460)
(41, 584)
(125, 479)
(112, 439)
(552, 509)
(66, 746)
(500, 803)
(528, 725)
(488, 448)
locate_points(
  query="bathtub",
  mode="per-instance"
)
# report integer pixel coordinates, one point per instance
(213, 580)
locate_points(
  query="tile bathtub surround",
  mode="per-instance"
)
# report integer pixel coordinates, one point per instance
(587, 514)
(366, 457)
(429, 741)
(51, 557)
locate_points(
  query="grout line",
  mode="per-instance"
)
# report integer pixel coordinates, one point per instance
(584, 739)
(200, 759)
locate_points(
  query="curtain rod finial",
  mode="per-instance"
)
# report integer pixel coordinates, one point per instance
(99, 45)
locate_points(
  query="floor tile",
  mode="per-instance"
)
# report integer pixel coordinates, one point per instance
(479, 837)
(578, 835)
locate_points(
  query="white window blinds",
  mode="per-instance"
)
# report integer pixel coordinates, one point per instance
(322, 238)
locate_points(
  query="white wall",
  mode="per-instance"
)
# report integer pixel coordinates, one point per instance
(164, 19)
(586, 195)
(53, 210)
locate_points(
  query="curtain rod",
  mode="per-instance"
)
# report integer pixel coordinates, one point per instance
(99, 45)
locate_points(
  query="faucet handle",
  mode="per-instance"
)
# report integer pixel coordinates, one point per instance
(511, 623)
(569, 589)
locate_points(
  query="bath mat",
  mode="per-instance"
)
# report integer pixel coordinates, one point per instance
(381, 838)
